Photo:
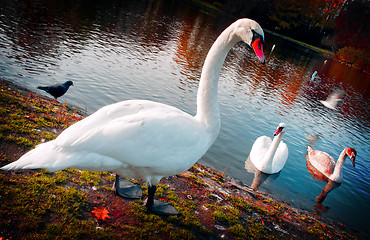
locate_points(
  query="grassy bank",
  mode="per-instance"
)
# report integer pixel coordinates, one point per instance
(73, 204)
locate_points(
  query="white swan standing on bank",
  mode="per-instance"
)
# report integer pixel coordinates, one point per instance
(144, 139)
(269, 156)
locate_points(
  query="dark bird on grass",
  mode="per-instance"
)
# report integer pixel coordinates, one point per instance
(57, 90)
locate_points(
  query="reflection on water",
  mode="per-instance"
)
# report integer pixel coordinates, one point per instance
(118, 50)
(329, 186)
(317, 175)
(319, 207)
(259, 177)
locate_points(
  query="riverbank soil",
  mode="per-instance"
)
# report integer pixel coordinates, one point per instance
(74, 204)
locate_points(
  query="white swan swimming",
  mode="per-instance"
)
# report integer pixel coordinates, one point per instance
(144, 139)
(269, 156)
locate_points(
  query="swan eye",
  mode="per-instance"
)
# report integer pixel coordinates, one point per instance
(257, 36)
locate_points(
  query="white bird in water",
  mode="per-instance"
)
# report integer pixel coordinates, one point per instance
(333, 99)
(145, 139)
(269, 156)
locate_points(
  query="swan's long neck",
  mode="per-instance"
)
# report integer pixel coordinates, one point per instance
(207, 104)
(337, 173)
(269, 156)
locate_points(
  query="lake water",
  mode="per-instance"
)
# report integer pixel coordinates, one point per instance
(120, 50)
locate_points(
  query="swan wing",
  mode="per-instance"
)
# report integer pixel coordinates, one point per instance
(327, 104)
(258, 151)
(322, 161)
(332, 100)
(128, 134)
(280, 157)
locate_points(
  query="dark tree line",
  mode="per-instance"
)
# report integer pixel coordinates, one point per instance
(341, 26)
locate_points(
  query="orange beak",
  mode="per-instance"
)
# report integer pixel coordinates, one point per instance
(353, 157)
(258, 49)
(278, 131)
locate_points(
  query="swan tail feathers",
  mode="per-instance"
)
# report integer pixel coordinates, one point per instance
(54, 158)
(43, 156)
(46, 89)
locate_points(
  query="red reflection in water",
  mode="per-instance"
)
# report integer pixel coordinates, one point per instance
(355, 83)
(193, 44)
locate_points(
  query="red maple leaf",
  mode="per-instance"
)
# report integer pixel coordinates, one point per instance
(100, 213)
(76, 118)
(29, 117)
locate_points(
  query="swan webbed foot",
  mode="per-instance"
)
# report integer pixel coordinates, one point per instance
(159, 207)
(127, 189)
(162, 208)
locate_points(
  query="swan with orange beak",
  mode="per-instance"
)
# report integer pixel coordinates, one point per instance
(269, 156)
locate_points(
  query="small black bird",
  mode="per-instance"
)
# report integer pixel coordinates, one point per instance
(57, 90)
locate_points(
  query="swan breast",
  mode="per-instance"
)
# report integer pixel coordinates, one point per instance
(258, 151)
(280, 157)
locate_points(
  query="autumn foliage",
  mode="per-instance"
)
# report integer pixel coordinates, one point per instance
(352, 34)
(101, 213)
(341, 26)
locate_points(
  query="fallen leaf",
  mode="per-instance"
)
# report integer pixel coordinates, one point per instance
(76, 118)
(29, 116)
(100, 213)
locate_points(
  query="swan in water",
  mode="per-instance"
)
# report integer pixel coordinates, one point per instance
(333, 99)
(269, 156)
(145, 139)
(323, 166)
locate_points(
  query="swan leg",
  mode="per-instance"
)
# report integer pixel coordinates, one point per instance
(157, 206)
(127, 189)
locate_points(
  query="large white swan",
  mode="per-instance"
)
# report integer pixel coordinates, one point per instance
(323, 166)
(269, 156)
(144, 139)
